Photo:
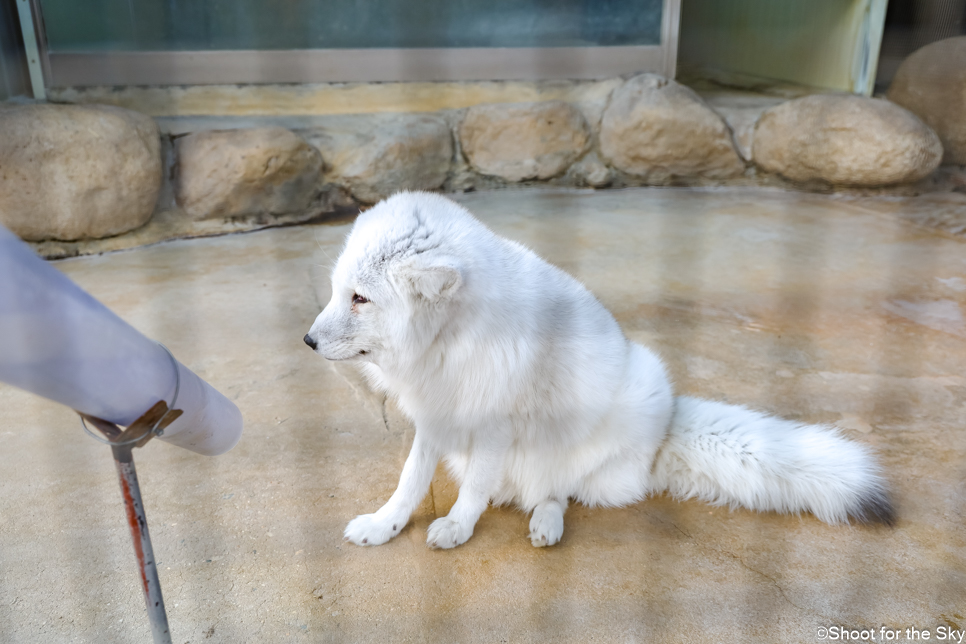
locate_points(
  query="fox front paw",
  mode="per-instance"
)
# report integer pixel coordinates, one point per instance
(371, 530)
(447, 533)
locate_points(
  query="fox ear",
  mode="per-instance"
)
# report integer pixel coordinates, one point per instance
(434, 279)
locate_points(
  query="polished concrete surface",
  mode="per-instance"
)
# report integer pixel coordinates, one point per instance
(827, 309)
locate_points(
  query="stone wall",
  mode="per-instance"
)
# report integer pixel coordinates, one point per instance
(92, 178)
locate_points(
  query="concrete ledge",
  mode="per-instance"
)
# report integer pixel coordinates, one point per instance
(462, 137)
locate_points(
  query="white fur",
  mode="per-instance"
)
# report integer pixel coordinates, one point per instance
(521, 380)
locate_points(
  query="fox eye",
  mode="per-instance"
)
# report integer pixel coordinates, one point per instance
(358, 299)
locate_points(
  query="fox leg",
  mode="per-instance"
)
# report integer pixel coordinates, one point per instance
(480, 481)
(381, 526)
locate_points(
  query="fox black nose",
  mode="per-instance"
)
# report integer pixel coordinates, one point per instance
(309, 341)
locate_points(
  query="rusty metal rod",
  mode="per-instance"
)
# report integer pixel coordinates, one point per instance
(138, 522)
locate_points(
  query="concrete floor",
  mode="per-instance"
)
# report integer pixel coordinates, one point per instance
(816, 307)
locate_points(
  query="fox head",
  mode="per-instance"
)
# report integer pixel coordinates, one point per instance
(391, 286)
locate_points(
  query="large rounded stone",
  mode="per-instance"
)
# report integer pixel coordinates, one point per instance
(658, 129)
(847, 140)
(520, 141)
(931, 83)
(77, 171)
(375, 156)
(223, 174)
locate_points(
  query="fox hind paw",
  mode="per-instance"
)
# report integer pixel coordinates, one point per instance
(546, 525)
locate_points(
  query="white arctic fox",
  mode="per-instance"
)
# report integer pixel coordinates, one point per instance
(516, 375)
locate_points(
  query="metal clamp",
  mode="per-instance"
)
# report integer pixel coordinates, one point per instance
(149, 425)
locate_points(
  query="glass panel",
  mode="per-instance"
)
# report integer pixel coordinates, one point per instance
(159, 25)
(14, 77)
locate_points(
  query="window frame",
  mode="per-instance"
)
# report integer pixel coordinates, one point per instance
(226, 67)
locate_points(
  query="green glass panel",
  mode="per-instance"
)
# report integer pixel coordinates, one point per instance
(14, 77)
(158, 25)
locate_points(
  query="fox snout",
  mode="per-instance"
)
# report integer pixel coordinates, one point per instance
(335, 335)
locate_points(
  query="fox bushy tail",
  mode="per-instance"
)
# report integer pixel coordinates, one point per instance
(731, 455)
